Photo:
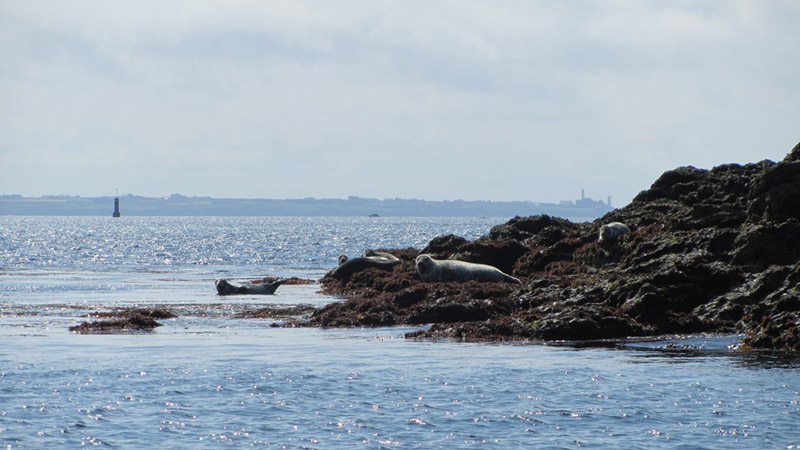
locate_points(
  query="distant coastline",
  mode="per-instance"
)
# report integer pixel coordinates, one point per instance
(180, 205)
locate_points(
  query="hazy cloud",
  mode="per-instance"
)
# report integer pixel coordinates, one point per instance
(436, 100)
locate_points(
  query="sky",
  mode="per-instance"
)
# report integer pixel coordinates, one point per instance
(435, 100)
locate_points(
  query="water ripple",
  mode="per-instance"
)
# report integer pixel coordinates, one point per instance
(209, 378)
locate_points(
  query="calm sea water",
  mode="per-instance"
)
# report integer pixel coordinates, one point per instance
(208, 379)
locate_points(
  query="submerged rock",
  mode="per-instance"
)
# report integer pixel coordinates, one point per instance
(277, 312)
(710, 251)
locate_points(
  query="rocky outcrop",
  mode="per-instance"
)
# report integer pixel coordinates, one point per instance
(137, 319)
(709, 251)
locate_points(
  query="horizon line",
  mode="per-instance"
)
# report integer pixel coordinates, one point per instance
(350, 197)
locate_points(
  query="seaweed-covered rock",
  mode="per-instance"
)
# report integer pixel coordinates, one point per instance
(709, 251)
(139, 319)
(443, 246)
(774, 322)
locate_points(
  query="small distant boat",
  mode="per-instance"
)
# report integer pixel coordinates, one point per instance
(374, 215)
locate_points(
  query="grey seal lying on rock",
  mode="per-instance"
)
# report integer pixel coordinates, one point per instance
(370, 258)
(225, 287)
(430, 269)
(611, 231)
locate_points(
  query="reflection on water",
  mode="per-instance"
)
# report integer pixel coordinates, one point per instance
(209, 378)
(203, 382)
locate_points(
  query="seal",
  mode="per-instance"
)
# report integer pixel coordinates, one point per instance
(430, 269)
(611, 231)
(225, 287)
(370, 258)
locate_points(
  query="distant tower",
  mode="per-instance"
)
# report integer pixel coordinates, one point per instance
(609, 201)
(116, 206)
(583, 197)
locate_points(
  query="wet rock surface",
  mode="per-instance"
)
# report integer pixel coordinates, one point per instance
(709, 251)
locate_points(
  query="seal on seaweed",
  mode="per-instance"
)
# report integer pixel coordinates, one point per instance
(430, 269)
(370, 258)
(611, 231)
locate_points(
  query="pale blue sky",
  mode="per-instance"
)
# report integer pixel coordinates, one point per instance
(473, 100)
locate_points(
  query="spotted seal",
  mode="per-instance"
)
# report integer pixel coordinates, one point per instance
(430, 269)
(225, 287)
(611, 231)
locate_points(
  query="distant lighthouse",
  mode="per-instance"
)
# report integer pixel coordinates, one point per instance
(116, 206)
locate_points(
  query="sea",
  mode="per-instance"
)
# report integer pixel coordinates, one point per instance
(211, 379)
